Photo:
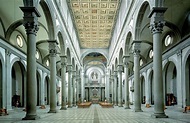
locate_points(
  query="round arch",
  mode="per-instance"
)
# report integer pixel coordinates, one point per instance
(128, 42)
(68, 56)
(18, 79)
(139, 20)
(121, 56)
(170, 80)
(90, 51)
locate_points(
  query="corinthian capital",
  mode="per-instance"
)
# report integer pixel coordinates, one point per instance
(52, 47)
(126, 59)
(30, 22)
(136, 47)
(63, 60)
(157, 19)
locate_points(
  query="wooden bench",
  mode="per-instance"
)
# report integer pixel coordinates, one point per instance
(42, 107)
(106, 105)
(84, 105)
(3, 112)
(186, 108)
(147, 106)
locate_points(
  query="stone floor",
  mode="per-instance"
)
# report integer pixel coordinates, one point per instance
(96, 114)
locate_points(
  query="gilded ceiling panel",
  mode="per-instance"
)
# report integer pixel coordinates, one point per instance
(94, 20)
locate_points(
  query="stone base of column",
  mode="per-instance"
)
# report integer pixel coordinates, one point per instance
(63, 108)
(126, 107)
(120, 105)
(159, 115)
(138, 110)
(70, 106)
(52, 111)
(31, 117)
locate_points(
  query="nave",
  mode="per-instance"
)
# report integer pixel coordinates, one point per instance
(97, 114)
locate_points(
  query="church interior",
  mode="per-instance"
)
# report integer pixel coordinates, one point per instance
(95, 56)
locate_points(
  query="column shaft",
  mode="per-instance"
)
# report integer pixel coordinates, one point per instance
(126, 69)
(52, 52)
(69, 86)
(31, 25)
(82, 87)
(156, 26)
(137, 103)
(63, 76)
(115, 89)
(120, 86)
(74, 91)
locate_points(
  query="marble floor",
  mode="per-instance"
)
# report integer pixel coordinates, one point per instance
(96, 114)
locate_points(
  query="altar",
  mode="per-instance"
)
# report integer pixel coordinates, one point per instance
(95, 100)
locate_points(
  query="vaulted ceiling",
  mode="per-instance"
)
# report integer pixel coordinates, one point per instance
(94, 21)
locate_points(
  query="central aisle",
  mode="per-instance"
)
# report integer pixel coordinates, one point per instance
(97, 114)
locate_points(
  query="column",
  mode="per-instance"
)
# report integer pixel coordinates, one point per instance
(136, 52)
(107, 87)
(52, 57)
(69, 67)
(119, 72)
(115, 88)
(112, 89)
(82, 86)
(77, 89)
(126, 69)
(74, 88)
(30, 23)
(156, 27)
(63, 76)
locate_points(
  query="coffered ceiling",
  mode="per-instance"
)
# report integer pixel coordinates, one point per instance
(94, 21)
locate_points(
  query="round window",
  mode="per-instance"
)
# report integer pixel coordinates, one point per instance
(37, 55)
(47, 63)
(19, 41)
(141, 62)
(168, 40)
(151, 53)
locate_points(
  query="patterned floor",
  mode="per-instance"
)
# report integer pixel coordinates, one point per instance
(96, 114)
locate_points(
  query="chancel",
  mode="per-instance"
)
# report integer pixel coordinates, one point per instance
(95, 61)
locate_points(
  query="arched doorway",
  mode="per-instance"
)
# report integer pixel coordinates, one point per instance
(18, 78)
(46, 90)
(143, 98)
(38, 87)
(187, 80)
(170, 84)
